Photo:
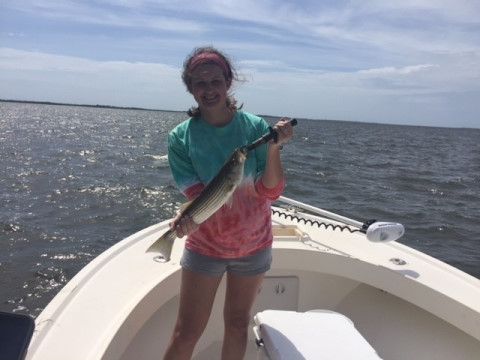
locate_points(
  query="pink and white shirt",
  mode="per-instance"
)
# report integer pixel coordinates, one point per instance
(196, 152)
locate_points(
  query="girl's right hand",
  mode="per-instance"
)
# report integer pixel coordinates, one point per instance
(183, 225)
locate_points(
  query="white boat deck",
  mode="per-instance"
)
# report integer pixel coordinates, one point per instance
(118, 295)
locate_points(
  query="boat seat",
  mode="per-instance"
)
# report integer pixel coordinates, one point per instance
(312, 335)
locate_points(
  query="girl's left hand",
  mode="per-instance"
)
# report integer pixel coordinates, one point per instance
(284, 130)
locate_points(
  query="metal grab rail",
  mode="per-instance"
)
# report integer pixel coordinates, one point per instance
(322, 212)
(375, 231)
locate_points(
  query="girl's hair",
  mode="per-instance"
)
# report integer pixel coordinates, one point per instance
(229, 72)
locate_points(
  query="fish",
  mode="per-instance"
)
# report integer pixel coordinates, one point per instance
(217, 193)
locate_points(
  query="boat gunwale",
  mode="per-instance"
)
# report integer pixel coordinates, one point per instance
(60, 304)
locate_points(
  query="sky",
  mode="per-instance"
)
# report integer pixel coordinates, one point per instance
(414, 62)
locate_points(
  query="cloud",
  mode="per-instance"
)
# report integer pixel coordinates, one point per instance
(368, 52)
(266, 64)
(455, 11)
(12, 59)
(391, 70)
(394, 27)
(51, 77)
(89, 13)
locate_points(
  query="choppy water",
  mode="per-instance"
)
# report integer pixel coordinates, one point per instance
(76, 180)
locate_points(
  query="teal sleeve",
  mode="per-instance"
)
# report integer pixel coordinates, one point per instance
(181, 165)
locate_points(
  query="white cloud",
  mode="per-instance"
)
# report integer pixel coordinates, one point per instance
(12, 59)
(83, 12)
(268, 64)
(50, 77)
(391, 70)
(298, 57)
(372, 22)
(461, 11)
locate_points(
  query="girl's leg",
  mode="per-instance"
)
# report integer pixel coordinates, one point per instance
(241, 293)
(197, 294)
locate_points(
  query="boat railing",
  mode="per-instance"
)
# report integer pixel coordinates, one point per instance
(374, 230)
(321, 212)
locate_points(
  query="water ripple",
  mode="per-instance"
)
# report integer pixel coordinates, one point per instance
(75, 180)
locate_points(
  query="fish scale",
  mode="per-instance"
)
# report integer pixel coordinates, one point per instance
(212, 198)
(216, 193)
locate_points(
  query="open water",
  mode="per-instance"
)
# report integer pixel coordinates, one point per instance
(76, 180)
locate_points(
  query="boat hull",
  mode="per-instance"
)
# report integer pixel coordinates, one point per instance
(123, 305)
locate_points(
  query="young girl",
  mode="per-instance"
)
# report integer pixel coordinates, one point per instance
(237, 239)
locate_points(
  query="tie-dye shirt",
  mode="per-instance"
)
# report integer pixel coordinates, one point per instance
(196, 152)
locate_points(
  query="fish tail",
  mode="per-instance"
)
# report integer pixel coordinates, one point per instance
(164, 244)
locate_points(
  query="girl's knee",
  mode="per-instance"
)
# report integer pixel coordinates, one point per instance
(237, 322)
(187, 334)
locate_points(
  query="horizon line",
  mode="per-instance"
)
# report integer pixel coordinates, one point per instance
(103, 106)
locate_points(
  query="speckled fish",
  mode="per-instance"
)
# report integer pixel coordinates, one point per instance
(213, 197)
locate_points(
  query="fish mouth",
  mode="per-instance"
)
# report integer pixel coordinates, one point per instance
(242, 153)
(239, 156)
(243, 150)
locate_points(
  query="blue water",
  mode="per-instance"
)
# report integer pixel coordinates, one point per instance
(76, 180)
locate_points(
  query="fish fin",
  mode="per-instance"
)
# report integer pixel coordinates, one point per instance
(229, 201)
(164, 244)
(184, 206)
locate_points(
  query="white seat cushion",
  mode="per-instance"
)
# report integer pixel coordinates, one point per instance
(318, 334)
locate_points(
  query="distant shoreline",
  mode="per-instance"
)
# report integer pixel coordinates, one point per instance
(100, 106)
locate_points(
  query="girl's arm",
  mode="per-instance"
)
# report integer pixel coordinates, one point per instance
(273, 173)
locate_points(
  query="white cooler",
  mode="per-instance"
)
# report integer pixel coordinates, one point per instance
(313, 335)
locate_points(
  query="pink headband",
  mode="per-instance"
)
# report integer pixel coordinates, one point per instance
(208, 57)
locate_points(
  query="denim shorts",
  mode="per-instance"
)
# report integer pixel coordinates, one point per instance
(255, 264)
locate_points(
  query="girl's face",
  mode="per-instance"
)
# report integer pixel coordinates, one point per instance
(209, 87)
